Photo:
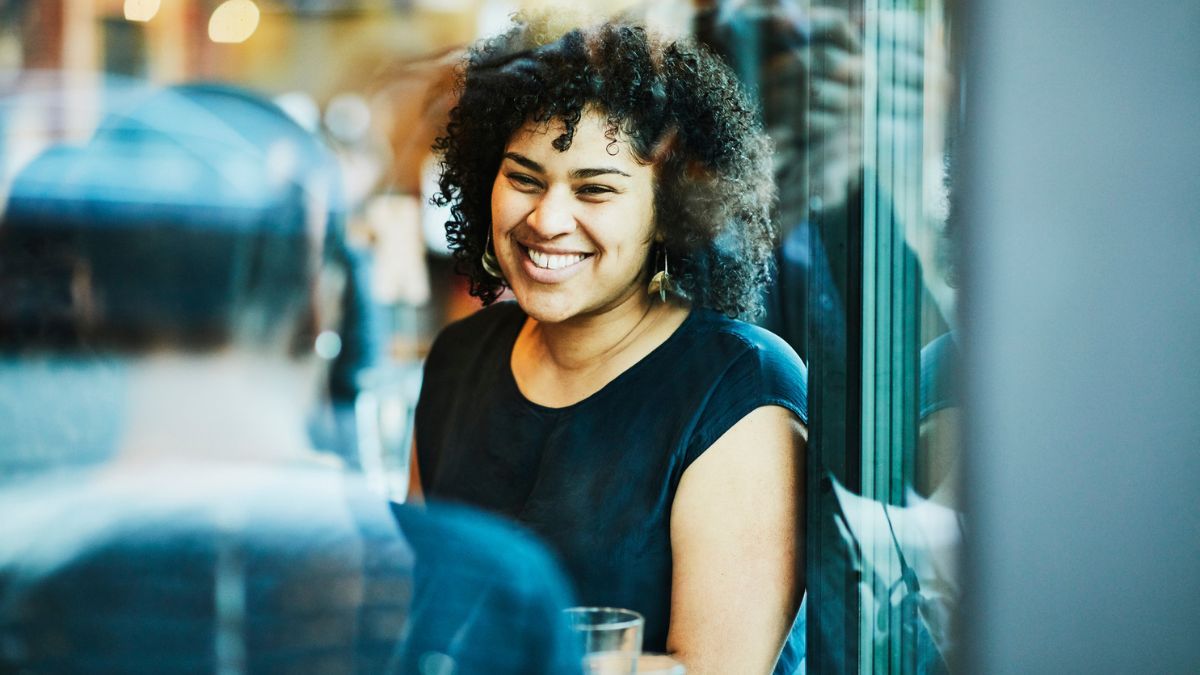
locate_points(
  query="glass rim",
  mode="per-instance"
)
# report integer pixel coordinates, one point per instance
(634, 618)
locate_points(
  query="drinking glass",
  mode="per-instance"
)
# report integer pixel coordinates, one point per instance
(659, 664)
(611, 638)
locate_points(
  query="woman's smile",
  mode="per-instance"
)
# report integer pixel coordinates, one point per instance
(551, 268)
(554, 261)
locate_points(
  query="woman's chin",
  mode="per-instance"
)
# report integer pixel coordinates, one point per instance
(554, 304)
(560, 307)
(546, 309)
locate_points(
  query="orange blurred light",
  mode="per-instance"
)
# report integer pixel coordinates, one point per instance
(234, 21)
(141, 10)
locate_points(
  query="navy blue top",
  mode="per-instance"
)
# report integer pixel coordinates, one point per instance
(596, 479)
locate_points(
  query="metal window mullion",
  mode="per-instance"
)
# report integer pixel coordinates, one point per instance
(871, 191)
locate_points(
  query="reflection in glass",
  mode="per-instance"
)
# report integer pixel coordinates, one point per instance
(859, 99)
(905, 525)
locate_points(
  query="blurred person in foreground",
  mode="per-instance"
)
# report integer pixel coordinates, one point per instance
(620, 185)
(175, 277)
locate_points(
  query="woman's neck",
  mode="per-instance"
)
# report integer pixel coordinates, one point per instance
(583, 341)
(561, 363)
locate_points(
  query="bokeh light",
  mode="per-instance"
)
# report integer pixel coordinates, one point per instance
(141, 10)
(233, 22)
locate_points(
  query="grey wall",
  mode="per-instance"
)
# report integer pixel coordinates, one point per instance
(1081, 187)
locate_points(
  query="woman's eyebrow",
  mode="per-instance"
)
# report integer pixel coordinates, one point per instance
(525, 162)
(592, 173)
(577, 173)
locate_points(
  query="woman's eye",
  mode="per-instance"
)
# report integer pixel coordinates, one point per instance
(524, 181)
(595, 190)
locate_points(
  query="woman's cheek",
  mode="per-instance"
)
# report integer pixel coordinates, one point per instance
(506, 209)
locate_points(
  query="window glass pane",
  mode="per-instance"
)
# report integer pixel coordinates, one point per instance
(905, 515)
(861, 101)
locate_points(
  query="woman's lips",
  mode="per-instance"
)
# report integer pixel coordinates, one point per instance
(553, 261)
(552, 268)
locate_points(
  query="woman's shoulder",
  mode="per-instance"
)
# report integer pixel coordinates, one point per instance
(749, 368)
(756, 366)
(743, 338)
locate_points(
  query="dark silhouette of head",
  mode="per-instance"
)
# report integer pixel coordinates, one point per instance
(195, 218)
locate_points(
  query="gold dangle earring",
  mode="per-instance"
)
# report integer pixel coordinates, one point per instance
(661, 282)
(488, 259)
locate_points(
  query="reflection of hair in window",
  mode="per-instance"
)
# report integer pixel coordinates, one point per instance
(680, 108)
(190, 221)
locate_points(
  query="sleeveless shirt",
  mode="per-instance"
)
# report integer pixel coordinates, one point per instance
(596, 479)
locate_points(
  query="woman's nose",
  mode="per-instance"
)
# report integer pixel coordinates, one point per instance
(552, 215)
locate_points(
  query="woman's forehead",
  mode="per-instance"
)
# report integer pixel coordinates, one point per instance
(594, 134)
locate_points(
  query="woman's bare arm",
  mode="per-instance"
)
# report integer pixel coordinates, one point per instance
(736, 539)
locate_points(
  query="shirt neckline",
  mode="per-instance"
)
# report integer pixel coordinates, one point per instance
(511, 380)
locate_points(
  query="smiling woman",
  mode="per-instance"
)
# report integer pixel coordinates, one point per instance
(572, 229)
(669, 106)
(652, 440)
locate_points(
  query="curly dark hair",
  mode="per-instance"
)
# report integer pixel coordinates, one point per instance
(679, 107)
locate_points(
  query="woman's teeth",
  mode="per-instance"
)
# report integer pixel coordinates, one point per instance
(549, 261)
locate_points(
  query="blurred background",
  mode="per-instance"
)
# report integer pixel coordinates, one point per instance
(892, 205)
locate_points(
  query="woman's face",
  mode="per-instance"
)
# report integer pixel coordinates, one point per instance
(572, 230)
